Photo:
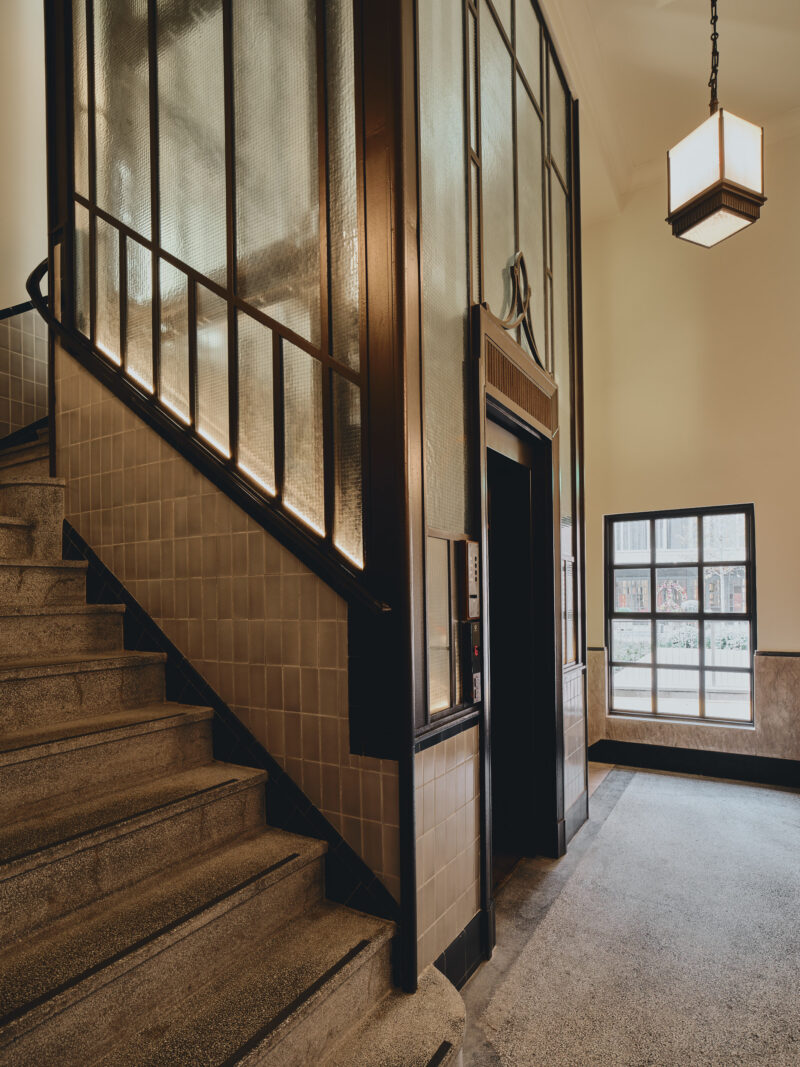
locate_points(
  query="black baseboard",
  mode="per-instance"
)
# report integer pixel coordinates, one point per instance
(348, 880)
(577, 815)
(763, 770)
(464, 955)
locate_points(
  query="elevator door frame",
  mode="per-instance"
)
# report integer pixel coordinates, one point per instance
(539, 433)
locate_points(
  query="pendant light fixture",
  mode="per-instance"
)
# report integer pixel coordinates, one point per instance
(715, 176)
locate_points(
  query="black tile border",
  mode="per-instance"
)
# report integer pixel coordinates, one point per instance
(785, 655)
(348, 880)
(761, 770)
(463, 955)
(17, 309)
(576, 816)
(436, 737)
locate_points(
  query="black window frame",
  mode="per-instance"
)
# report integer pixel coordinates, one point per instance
(701, 616)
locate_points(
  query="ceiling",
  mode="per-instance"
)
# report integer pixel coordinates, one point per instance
(640, 69)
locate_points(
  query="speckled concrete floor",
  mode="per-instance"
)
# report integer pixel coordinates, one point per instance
(669, 936)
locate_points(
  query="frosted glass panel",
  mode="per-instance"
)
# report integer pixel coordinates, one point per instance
(676, 540)
(82, 282)
(80, 83)
(174, 340)
(191, 115)
(256, 409)
(444, 263)
(498, 165)
(531, 207)
(139, 326)
(122, 108)
(277, 163)
(728, 695)
(561, 354)
(212, 369)
(107, 329)
(694, 163)
(438, 604)
(343, 182)
(347, 521)
(724, 537)
(528, 51)
(743, 153)
(558, 122)
(503, 9)
(304, 485)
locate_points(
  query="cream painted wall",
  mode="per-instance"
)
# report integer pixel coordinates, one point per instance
(692, 382)
(23, 173)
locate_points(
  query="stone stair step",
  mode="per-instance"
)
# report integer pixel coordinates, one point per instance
(62, 860)
(70, 628)
(40, 445)
(283, 1003)
(24, 581)
(35, 462)
(118, 959)
(16, 537)
(39, 767)
(425, 1030)
(34, 693)
(39, 500)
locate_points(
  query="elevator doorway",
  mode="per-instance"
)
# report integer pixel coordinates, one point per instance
(521, 645)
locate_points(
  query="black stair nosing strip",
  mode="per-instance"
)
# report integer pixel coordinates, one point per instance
(439, 1054)
(70, 983)
(273, 1024)
(92, 733)
(118, 822)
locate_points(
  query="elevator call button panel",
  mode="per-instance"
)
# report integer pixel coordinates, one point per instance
(471, 579)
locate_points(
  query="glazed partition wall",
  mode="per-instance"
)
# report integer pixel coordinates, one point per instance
(497, 165)
(216, 236)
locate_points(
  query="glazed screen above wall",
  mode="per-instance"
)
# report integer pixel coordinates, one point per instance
(216, 233)
(681, 613)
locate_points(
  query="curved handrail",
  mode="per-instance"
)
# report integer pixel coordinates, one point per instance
(291, 535)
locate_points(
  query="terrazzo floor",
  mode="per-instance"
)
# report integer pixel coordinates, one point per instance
(668, 935)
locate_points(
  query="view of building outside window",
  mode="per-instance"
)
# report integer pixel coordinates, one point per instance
(680, 614)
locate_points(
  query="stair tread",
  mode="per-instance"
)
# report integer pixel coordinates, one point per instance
(407, 1031)
(23, 459)
(46, 564)
(117, 930)
(73, 731)
(61, 609)
(39, 444)
(72, 827)
(14, 520)
(263, 997)
(33, 479)
(84, 660)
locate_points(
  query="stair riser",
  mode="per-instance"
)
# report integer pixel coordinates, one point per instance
(99, 767)
(38, 467)
(330, 1019)
(42, 586)
(41, 894)
(16, 542)
(27, 703)
(116, 1011)
(44, 506)
(31, 635)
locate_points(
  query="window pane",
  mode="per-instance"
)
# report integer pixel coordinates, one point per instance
(725, 589)
(632, 542)
(678, 692)
(569, 617)
(347, 516)
(676, 540)
(80, 83)
(503, 9)
(528, 51)
(82, 298)
(531, 207)
(438, 601)
(727, 644)
(212, 369)
(724, 537)
(277, 162)
(632, 590)
(728, 695)
(632, 689)
(558, 122)
(139, 326)
(256, 453)
(303, 491)
(107, 325)
(174, 364)
(631, 641)
(676, 642)
(677, 590)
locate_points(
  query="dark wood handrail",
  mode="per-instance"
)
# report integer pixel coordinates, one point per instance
(262, 510)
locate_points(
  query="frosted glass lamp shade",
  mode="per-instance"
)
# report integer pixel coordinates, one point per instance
(716, 179)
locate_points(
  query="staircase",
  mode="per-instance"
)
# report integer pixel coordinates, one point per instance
(148, 915)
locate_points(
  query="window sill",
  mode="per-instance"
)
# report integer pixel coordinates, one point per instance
(719, 724)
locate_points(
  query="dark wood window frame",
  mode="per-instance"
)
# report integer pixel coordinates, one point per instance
(701, 616)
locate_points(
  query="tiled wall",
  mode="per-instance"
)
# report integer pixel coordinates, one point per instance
(447, 783)
(574, 737)
(777, 716)
(23, 370)
(267, 634)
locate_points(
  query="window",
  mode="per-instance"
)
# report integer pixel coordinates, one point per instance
(680, 614)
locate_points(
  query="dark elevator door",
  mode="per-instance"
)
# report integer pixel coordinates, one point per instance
(511, 648)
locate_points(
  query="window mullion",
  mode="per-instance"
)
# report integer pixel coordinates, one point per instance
(653, 638)
(701, 604)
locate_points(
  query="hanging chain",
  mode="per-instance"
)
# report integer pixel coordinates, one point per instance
(712, 82)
